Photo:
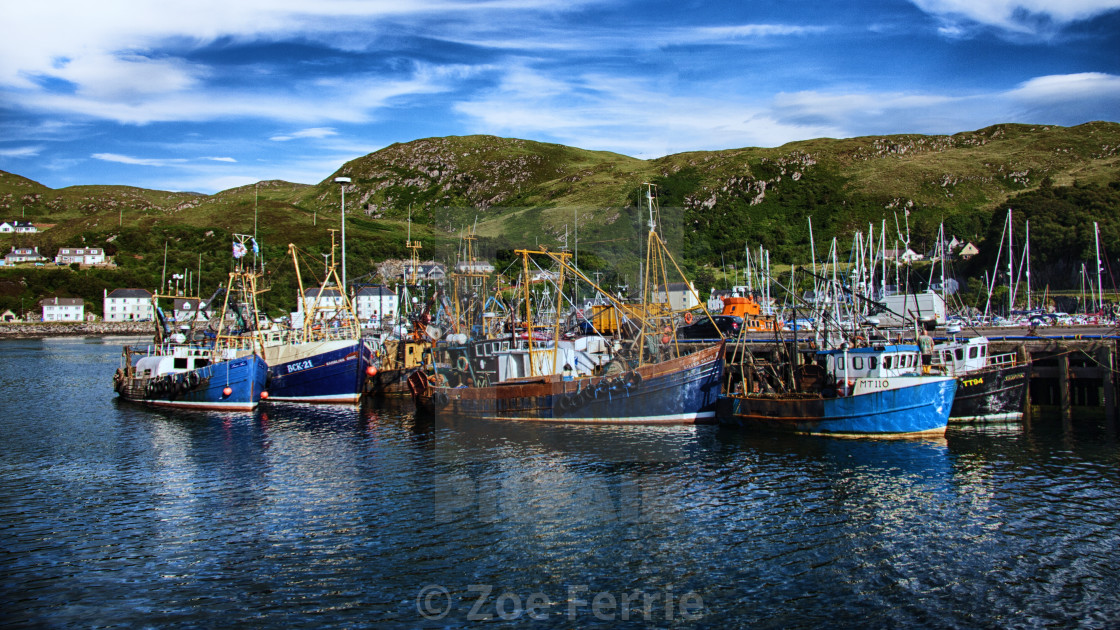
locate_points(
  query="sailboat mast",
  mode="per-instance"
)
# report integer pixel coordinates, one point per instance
(1010, 265)
(1100, 287)
(1027, 256)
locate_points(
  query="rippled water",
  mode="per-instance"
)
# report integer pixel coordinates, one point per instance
(117, 515)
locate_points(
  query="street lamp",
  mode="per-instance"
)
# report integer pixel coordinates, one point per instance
(343, 181)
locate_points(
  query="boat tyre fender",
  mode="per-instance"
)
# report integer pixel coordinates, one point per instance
(150, 388)
(564, 402)
(440, 399)
(633, 379)
(602, 389)
(193, 379)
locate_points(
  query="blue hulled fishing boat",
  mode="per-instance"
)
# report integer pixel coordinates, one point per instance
(868, 391)
(325, 359)
(220, 368)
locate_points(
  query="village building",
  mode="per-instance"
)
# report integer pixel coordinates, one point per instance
(903, 255)
(680, 296)
(124, 305)
(477, 266)
(375, 304)
(425, 271)
(23, 255)
(56, 309)
(80, 255)
(189, 309)
(19, 227)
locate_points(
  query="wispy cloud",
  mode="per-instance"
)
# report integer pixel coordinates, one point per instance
(21, 152)
(314, 132)
(1019, 16)
(125, 159)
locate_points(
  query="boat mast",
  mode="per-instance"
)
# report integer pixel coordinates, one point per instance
(1100, 287)
(1010, 264)
(1027, 256)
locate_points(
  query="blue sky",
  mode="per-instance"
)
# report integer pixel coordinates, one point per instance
(205, 95)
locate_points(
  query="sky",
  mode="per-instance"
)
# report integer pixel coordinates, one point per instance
(206, 95)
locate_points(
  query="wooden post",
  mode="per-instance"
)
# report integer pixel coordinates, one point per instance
(1023, 356)
(1063, 387)
(1108, 384)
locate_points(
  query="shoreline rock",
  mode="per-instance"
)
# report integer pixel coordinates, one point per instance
(73, 329)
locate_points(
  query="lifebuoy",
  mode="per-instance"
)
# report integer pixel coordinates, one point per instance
(688, 318)
(462, 363)
(579, 313)
(633, 379)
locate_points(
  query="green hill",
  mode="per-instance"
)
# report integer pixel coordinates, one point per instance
(522, 193)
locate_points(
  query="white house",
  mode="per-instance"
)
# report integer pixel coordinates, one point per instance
(477, 266)
(122, 305)
(80, 255)
(425, 271)
(23, 254)
(18, 226)
(187, 309)
(680, 296)
(374, 304)
(56, 309)
(907, 255)
(327, 302)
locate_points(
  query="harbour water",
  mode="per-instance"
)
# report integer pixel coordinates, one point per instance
(295, 516)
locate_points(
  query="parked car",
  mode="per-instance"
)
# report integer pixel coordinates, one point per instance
(704, 329)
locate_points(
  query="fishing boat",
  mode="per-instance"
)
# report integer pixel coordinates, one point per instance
(539, 369)
(991, 388)
(874, 391)
(396, 360)
(325, 359)
(220, 368)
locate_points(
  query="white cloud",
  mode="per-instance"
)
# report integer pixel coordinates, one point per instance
(628, 116)
(313, 132)
(221, 159)
(1069, 87)
(1014, 15)
(21, 152)
(125, 159)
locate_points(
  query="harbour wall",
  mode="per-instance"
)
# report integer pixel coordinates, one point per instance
(17, 330)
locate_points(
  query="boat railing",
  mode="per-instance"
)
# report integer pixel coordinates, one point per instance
(1009, 359)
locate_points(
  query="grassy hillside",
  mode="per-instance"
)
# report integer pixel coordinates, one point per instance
(521, 193)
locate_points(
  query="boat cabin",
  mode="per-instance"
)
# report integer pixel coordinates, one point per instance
(960, 356)
(754, 320)
(878, 361)
(177, 360)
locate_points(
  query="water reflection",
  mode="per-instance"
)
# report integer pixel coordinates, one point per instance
(117, 514)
